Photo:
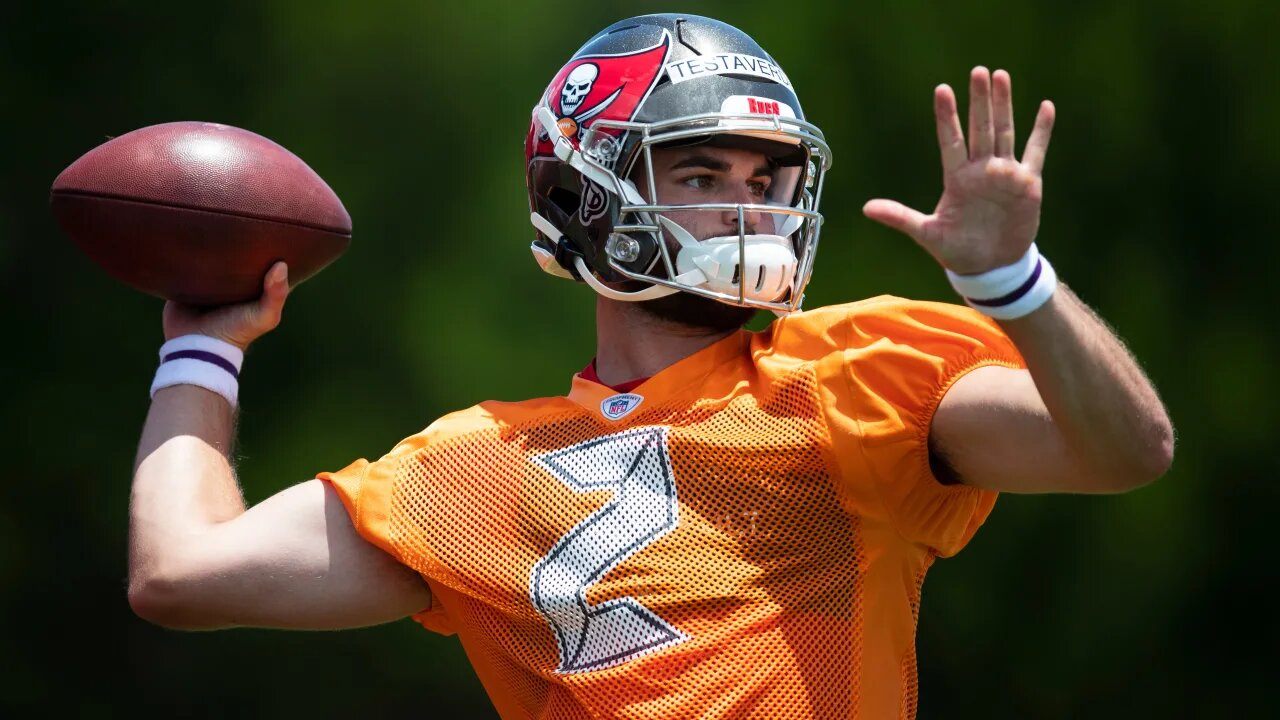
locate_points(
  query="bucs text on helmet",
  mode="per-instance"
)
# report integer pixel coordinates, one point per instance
(664, 80)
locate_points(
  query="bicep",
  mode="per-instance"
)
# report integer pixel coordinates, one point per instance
(995, 432)
(293, 561)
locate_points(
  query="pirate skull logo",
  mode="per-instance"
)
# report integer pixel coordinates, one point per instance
(576, 87)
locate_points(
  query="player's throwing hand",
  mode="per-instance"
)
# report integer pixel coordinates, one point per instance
(990, 206)
(238, 324)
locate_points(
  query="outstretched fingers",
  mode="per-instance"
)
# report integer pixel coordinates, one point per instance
(950, 135)
(981, 136)
(1038, 143)
(1002, 108)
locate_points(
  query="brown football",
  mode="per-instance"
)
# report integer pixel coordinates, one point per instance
(197, 212)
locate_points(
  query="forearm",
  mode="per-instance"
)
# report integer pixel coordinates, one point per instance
(1100, 400)
(183, 483)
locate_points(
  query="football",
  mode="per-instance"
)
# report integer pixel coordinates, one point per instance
(197, 212)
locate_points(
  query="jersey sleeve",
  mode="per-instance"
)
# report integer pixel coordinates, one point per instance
(366, 489)
(900, 359)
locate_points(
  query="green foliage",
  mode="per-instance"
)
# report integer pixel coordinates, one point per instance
(415, 113)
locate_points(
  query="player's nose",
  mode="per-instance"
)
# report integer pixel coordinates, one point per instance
(751, 219)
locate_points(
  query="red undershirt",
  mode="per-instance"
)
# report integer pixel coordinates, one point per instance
(589, 373)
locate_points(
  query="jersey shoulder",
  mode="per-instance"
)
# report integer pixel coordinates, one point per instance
(875, 321)
(888, 363)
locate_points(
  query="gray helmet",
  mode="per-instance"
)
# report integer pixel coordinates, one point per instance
(663, 80)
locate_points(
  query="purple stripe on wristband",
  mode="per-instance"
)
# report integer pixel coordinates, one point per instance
(1014, 296)
(208, 357)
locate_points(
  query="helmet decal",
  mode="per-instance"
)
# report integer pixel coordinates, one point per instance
(595, 87)
(727, 64)
(595, 203)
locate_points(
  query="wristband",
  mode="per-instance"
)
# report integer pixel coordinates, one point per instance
(203, 361)
(1009, 292)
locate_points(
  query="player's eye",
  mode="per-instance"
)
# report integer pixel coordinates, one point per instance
(700, 182)
(758, 187)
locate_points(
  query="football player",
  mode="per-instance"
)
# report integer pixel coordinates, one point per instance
(711, 522)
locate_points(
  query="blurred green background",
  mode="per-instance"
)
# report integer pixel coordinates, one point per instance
(1160, 212)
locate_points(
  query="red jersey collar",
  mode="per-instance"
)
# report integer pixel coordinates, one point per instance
(589, 373)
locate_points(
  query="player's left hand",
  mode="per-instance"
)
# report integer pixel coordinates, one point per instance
(990, 206)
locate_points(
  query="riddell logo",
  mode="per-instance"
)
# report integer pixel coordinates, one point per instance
(616, 406)
(763, 107)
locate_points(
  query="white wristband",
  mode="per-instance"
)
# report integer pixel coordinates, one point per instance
(203, 361)
(1012, 291)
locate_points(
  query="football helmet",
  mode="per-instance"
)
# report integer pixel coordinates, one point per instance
(670, 80)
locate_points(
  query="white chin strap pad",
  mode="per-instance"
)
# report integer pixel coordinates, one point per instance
(767, 270)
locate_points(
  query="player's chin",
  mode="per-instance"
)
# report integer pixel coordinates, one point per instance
(698, 312)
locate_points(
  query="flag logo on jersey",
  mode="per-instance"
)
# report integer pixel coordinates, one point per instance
(616, 406)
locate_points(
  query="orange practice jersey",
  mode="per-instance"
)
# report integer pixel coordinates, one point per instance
(746, 539)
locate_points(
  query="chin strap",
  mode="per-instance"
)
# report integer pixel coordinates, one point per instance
(653, 292)
(547, 261)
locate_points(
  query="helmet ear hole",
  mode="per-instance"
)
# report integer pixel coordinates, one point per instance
(564, 199)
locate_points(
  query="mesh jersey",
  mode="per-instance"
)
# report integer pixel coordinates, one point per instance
(747, 541)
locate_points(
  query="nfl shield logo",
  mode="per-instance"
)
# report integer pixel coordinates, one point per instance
(615, 406)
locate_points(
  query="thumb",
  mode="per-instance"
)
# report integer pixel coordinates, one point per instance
(897, 216)
(275, 288)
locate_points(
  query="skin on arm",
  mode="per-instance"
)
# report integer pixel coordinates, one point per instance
(1084, 418)
(199, 560)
